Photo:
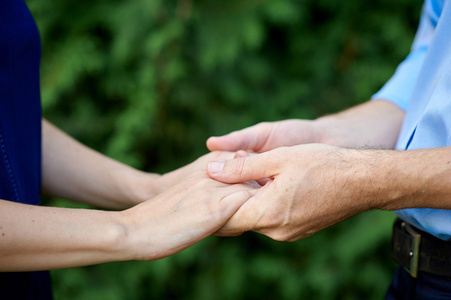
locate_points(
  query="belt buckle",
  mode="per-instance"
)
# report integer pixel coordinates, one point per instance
(415, 251)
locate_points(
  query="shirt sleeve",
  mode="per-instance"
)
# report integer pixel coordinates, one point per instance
(399, 88)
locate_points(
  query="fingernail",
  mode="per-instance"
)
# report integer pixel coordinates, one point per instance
(215, 167)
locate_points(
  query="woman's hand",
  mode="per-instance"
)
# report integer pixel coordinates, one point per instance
(181, 216)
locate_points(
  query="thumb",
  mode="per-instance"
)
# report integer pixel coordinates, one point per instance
(243, 169)
(250, 138)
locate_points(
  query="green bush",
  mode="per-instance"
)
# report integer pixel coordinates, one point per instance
(148, 81)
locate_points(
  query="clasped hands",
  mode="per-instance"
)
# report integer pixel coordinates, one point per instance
(290, 188)
(306, 186)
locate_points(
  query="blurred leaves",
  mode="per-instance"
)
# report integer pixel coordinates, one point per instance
(148, 81)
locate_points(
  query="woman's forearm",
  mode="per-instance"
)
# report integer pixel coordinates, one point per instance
(73, 171)
(41, 238)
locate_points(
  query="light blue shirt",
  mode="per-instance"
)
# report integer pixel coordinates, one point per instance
(421, 85)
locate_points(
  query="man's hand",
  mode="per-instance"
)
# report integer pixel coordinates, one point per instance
(267, 136)
(311, 187)
(374, 124)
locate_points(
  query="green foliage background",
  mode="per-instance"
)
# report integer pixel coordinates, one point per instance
(148, 81)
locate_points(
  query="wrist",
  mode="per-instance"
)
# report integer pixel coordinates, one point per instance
(143, 232)
(374, 124)
(371, 179)
(350, 173)
(382, 179)
(327, 130)
(135, 233)
(115, 241)
(137, 186)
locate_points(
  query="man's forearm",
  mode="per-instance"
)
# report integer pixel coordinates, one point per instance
(73, 171)
(394, 180)
(315, 186)
(373, 124)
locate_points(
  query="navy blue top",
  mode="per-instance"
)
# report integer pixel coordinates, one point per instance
(20, 131)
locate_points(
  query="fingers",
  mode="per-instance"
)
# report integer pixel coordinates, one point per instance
(230, 204)
(242, 153)
(250, 138)
(243, 169)
(248, 216)
(244, 219)
(218, 206)
(219, 155)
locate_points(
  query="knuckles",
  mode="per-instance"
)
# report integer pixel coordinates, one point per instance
(238, 166)
(286, 235)
(199, 180)
(279, 236)
(264, 126)
(209, 212)
(278, 226)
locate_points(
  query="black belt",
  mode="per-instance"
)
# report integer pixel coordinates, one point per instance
(418, 251)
